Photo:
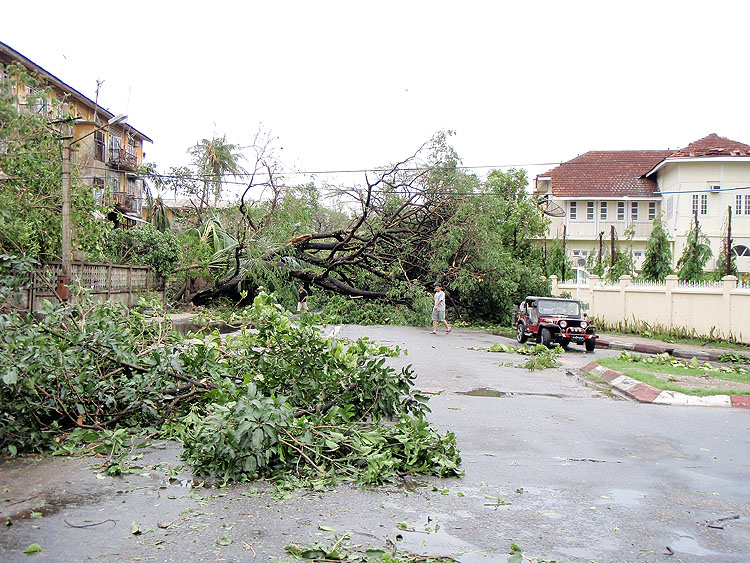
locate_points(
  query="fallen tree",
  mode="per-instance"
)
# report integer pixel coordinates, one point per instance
(420, 221)
(279, 401)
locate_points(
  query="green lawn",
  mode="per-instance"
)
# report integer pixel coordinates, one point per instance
(646, 372)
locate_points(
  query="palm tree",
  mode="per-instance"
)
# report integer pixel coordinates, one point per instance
(215, 158)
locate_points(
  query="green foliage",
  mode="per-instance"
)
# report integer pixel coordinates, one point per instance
(726, 263)
(667, 333)
(622, 264)
(144, 245)
(657, 262)
(649, 368)
(540, 357)
(277, 419)
(215, 159)
(558, 263)
(695, 255)
(278, 400)
(338, 309)
(31, 195)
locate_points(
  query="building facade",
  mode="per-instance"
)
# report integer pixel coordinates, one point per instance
(107, 158)
(624, 191)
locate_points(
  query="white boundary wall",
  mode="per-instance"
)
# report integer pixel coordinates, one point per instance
(718, 308)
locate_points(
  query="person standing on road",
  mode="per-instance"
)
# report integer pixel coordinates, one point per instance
(438, 310)
(302, 303)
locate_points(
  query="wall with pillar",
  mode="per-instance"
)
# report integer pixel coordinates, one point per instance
(720, 309)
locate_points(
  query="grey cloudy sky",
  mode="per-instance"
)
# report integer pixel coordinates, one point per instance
(352, 85)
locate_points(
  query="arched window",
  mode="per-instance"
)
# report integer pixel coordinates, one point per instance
(741, 250)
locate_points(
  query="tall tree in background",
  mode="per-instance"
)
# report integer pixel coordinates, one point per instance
(695, 255)
(215, 159)
(658, 260)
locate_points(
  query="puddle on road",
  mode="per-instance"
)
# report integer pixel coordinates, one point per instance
(485, 392)
(688, 544)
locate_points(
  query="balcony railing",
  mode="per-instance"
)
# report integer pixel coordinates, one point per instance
(122, 158)
(591, 229)
(126, 202)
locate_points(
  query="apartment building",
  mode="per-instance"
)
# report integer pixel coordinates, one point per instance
(108, 158)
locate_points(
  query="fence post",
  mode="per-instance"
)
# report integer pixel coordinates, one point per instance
(728, 284)
(670, 283)
(130, 285)
(553, 279)
(625, 281)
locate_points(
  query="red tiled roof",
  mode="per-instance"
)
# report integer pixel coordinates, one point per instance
(607, 173)
(712, 145)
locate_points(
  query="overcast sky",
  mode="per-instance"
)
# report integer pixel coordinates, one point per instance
(354, 85)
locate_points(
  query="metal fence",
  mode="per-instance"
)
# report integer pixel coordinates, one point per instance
(120, 283)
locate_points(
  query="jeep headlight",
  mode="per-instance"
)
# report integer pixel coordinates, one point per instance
(584, 324)
(563, 324)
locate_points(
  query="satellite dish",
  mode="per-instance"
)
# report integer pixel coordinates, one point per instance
(549, 207)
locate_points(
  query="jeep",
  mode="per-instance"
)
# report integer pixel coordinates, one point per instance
(550, 320)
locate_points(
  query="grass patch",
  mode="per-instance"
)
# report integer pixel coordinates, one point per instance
(662, 370)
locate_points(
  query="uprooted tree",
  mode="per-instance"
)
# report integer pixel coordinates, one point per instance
(420, 220)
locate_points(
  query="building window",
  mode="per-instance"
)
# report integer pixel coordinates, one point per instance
(747, 205)
(704, 204)
(620, 210)
(738, 205)
(603, 211)
(637, 254)
(651, 210)
(741, 250)
(99, 145)
(670, 207)
(589, 210)
(99, 189)
(695, 204)
(634, 211)
(573, 207)
(115, 141)
(114, 183)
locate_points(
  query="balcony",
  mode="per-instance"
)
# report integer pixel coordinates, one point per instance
(122, 159)
(591, 229)
(125, 202)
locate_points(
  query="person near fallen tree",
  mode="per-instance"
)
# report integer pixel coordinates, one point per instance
(438, 310)
(302, 303)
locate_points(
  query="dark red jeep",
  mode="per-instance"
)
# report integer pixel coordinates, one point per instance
(550, 320)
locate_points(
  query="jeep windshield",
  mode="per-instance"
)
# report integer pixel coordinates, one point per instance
(560, 308)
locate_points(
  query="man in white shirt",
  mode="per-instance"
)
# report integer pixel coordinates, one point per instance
(438, 310)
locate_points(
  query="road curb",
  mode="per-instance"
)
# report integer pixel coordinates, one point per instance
(645, 393)
(650, 349)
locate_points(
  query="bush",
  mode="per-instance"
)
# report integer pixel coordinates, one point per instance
(339, 309)
(144, 245)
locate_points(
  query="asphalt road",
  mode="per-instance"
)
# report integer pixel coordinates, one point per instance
(565, 471)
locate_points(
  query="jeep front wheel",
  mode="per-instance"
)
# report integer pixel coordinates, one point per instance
(590, 345)
(521, 333)
(546, 337)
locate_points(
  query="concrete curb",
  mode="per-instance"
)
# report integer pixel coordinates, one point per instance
(649, 349)
(644, 393)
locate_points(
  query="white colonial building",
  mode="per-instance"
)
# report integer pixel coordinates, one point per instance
(604, 190)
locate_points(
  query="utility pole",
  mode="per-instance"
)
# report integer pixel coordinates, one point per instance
(67, 245)
(611, 246)
(66, 227)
